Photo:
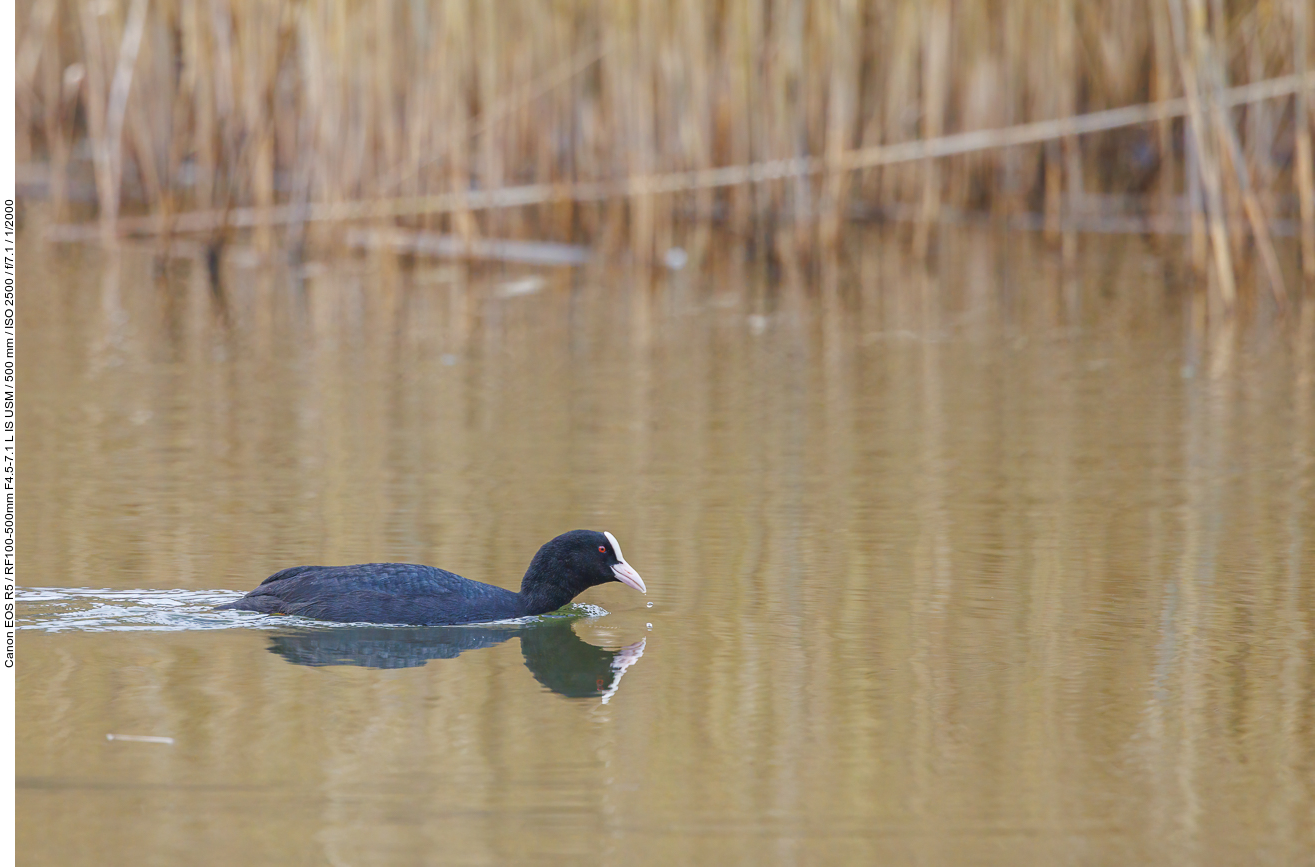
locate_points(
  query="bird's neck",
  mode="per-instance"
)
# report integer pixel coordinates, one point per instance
(540, 597)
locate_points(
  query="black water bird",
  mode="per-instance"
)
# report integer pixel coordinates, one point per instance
(405, 593)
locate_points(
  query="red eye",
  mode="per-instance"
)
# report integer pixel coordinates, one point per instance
(602, 549)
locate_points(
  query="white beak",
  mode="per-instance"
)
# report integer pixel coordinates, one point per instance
(628, 576)
(622, 570)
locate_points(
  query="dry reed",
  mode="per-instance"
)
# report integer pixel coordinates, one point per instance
(769, 114)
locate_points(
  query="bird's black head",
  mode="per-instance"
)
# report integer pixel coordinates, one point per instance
(572, 563)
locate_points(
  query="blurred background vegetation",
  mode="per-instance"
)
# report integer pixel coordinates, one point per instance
(966, 545)
(610, 123)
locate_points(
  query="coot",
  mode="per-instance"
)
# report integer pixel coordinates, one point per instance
(424, 596)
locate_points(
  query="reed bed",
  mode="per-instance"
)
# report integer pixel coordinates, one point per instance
(616, 121)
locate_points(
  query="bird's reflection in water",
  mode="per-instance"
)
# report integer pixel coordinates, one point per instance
(557, 657)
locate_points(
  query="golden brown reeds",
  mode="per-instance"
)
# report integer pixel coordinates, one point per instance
(1305, 171)
(198, 105)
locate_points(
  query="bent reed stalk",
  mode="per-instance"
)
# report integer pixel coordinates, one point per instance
(531, 117)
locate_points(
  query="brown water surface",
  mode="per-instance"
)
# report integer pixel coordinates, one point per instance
(975, 563)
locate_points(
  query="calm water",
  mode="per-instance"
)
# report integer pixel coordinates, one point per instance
(975, 564)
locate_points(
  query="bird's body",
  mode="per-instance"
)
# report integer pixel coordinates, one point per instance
(424, 596)
(381, 593)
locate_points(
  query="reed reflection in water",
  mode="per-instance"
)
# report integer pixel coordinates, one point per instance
(978, 563)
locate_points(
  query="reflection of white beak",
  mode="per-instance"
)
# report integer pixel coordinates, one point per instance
(625, 657)
(629, 577)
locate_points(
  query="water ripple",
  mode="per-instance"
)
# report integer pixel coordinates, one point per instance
(81, 609)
